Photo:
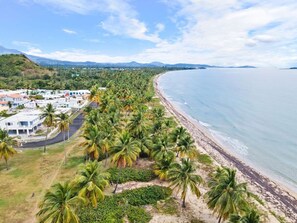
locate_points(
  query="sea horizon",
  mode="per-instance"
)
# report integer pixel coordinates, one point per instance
(227, 123)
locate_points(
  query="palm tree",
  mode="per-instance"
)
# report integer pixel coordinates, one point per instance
(158, 113)
(162, 167)
(182, 177)
(144, 142)
(49, 115)
(96, 94)
(91, 182)
(162, 148)
(91, 143)
(186, 147)
(252, 216)
(226, 196)
(176, 135)
(137, 123)
(59, 205)
(125, 152)
(63, 126)
(6, 146)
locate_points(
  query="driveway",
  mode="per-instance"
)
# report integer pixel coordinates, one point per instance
(74, 127)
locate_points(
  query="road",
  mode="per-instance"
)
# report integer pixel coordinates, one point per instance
(74, 127)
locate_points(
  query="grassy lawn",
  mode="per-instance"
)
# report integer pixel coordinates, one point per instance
(31, 173)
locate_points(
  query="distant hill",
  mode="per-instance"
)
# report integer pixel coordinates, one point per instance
(52, 62)
(8, 51)
(293, 68)
(20, 65)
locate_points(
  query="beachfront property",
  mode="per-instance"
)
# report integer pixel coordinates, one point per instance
(77, 93)
(12, 99)
(23, 123)
(27, 119)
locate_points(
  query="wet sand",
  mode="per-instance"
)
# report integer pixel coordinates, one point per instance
(277, 198)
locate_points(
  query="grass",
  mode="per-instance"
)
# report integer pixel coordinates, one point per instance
(168, 206)
(204, 159)
(31, 173)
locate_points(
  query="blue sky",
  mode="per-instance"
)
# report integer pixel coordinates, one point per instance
(229, 32)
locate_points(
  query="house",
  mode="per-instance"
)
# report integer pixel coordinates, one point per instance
(23, 123)
(77, 93)
(13, 99)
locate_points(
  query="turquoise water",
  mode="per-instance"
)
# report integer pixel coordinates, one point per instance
(253, 112)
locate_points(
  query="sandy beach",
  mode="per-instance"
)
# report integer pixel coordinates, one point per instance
(278, 199)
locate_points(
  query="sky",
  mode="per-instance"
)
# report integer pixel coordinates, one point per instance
(216, 32)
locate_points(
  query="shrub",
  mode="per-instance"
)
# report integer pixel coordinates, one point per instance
(130, 174)
(204, 159)
(115, 208)
(146, 195)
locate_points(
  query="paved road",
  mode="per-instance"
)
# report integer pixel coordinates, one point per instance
(76, 124)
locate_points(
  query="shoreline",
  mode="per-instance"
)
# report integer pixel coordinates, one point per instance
(281, 199)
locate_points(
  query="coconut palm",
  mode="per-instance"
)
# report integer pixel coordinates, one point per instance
(125, 152)
(158, 113)
(162, 148)
(162, 167)
(144, 142)
(252, 216)
(96, 94)
(59, 205)
(49, 115)
(63, 125)
(91, 181)
(137, 123)
(6, 147)
(186, 147)
(91, 143)
(182, 176)
(226, 196)
(177, 135)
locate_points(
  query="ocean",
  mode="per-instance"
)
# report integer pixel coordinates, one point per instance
(251, 112)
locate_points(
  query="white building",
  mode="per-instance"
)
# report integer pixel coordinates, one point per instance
(77, 92)
(25, 122)
(15, 99)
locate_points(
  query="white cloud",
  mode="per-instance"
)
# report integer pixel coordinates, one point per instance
(160, 27)
(76, 55)
(222, 33)
(121, 17)
(229, 32)
(69, 31)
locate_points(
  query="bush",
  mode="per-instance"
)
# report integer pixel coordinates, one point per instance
(146, 195)
(204, 159)
(115, 208)
(130, 174)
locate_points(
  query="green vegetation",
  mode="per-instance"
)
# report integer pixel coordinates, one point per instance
(6, 147)
(129, 124)
(130, 174)
(17, 71)
(126, 204)
(228, 198)
(49, 121)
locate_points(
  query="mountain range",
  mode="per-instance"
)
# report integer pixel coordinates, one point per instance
(52, 62)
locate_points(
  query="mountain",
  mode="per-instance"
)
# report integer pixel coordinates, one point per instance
(20, 65)
(293, 68)
(8, 51)
(133, 64)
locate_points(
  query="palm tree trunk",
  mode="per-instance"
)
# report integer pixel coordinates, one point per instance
(64, 147)
(6, 163)
(220, 219)
(105, 159)
(45, 142)
(68, 134)
(116, 187)
(184, 202)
